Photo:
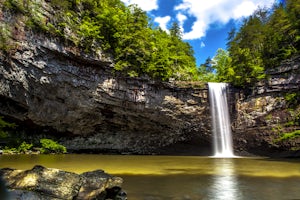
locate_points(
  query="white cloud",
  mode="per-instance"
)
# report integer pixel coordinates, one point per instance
(208, 12)
(244, 9)
(198, 30)
(146, 5)
(181, 18)
(163, 22)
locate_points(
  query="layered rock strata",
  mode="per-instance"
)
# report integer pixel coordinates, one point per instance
(47, 84)
(262, 115)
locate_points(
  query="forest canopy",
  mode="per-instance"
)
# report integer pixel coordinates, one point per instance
(139, 48)
(265, 39)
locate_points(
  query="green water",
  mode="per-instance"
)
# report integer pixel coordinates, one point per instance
(182, 177)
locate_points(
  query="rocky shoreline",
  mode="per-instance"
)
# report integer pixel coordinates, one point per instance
(41, 183)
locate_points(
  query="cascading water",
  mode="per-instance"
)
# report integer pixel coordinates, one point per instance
(222, 139)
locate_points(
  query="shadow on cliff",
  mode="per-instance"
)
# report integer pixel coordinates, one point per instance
(188, 148)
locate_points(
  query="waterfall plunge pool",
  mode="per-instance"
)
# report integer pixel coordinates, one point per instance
(181, 177)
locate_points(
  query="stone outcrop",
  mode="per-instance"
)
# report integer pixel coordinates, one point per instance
(47, 84)
(50, 184)
(262, 114)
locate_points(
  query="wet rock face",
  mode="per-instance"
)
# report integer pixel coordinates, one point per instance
(267, 111)
(50, 184)
(50, 85)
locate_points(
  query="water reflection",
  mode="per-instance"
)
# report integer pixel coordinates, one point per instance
(182, 177)
(224, 182)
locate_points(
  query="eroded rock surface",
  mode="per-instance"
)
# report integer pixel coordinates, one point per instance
(262, 115)
(46, 84)
(42, 183)
(51, 88)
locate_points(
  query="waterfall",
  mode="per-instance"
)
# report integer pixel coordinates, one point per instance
(222, 139)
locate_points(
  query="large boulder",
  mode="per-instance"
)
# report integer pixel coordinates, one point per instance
(40, 183)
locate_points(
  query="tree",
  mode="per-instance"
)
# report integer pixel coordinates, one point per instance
(175, 31)
(221, 62)
(206, 71)
(245, 48)
(108, 26)
(283, 36)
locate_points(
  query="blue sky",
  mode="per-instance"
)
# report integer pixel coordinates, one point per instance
(205, 23)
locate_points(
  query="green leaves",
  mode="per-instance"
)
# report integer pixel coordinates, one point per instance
(264, 40)
(138, 48)
(50, 146)
(288, 136)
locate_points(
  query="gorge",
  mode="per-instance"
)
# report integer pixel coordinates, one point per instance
(48, 89)
(51, 88)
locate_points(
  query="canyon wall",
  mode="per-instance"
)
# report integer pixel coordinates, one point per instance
(51, 89)
(90, 107)
(266, 117)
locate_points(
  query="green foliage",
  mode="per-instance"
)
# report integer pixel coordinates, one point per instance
(206, 71)
(50, 146)
(289, 136)
(292, 98)
(138, 48)
(264, 40)
(16, 6)
(5, 35)
(4, 126)
(282, 40)
(47, 146)
(24, 147)
(245, 48)
(8, 150)
(269, 117)
(222, 64)
(295, 114)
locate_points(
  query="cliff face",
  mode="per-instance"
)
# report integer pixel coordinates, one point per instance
(50, 88)
(78, 96)
(50, 85)
(266, 118)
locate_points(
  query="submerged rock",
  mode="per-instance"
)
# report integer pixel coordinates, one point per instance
(40, 183)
